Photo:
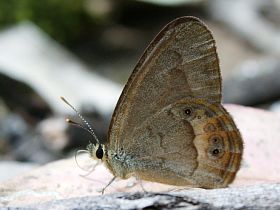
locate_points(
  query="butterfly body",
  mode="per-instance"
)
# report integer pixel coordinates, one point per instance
(169, 125)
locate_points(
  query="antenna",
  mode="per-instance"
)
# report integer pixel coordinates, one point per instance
(80, 126)
(87, 127)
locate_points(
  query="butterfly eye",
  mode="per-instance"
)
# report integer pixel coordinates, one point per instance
(99, 152)
(188, 111)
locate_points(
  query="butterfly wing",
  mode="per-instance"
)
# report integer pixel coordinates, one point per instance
(180, 63)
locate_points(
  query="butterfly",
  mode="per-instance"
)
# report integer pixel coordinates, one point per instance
(169, 125)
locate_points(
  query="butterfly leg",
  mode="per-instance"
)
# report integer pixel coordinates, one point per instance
(141, 184)
(111, 181)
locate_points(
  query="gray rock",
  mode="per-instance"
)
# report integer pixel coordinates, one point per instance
(266, 196)
(10, 169)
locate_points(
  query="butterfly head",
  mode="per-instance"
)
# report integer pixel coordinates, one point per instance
(96, 151)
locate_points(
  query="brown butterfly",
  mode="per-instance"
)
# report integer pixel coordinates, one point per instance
(169, 125)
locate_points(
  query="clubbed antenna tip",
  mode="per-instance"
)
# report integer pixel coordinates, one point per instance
(87, 126)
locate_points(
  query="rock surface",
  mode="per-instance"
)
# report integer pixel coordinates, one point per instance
(58, 185)
(252, 197)
(14, 169)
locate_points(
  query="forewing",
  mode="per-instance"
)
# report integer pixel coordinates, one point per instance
(181, 62)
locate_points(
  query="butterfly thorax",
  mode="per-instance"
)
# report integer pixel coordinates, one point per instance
(120, 163)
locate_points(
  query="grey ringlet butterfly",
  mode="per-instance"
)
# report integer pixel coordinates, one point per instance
(169, 125)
